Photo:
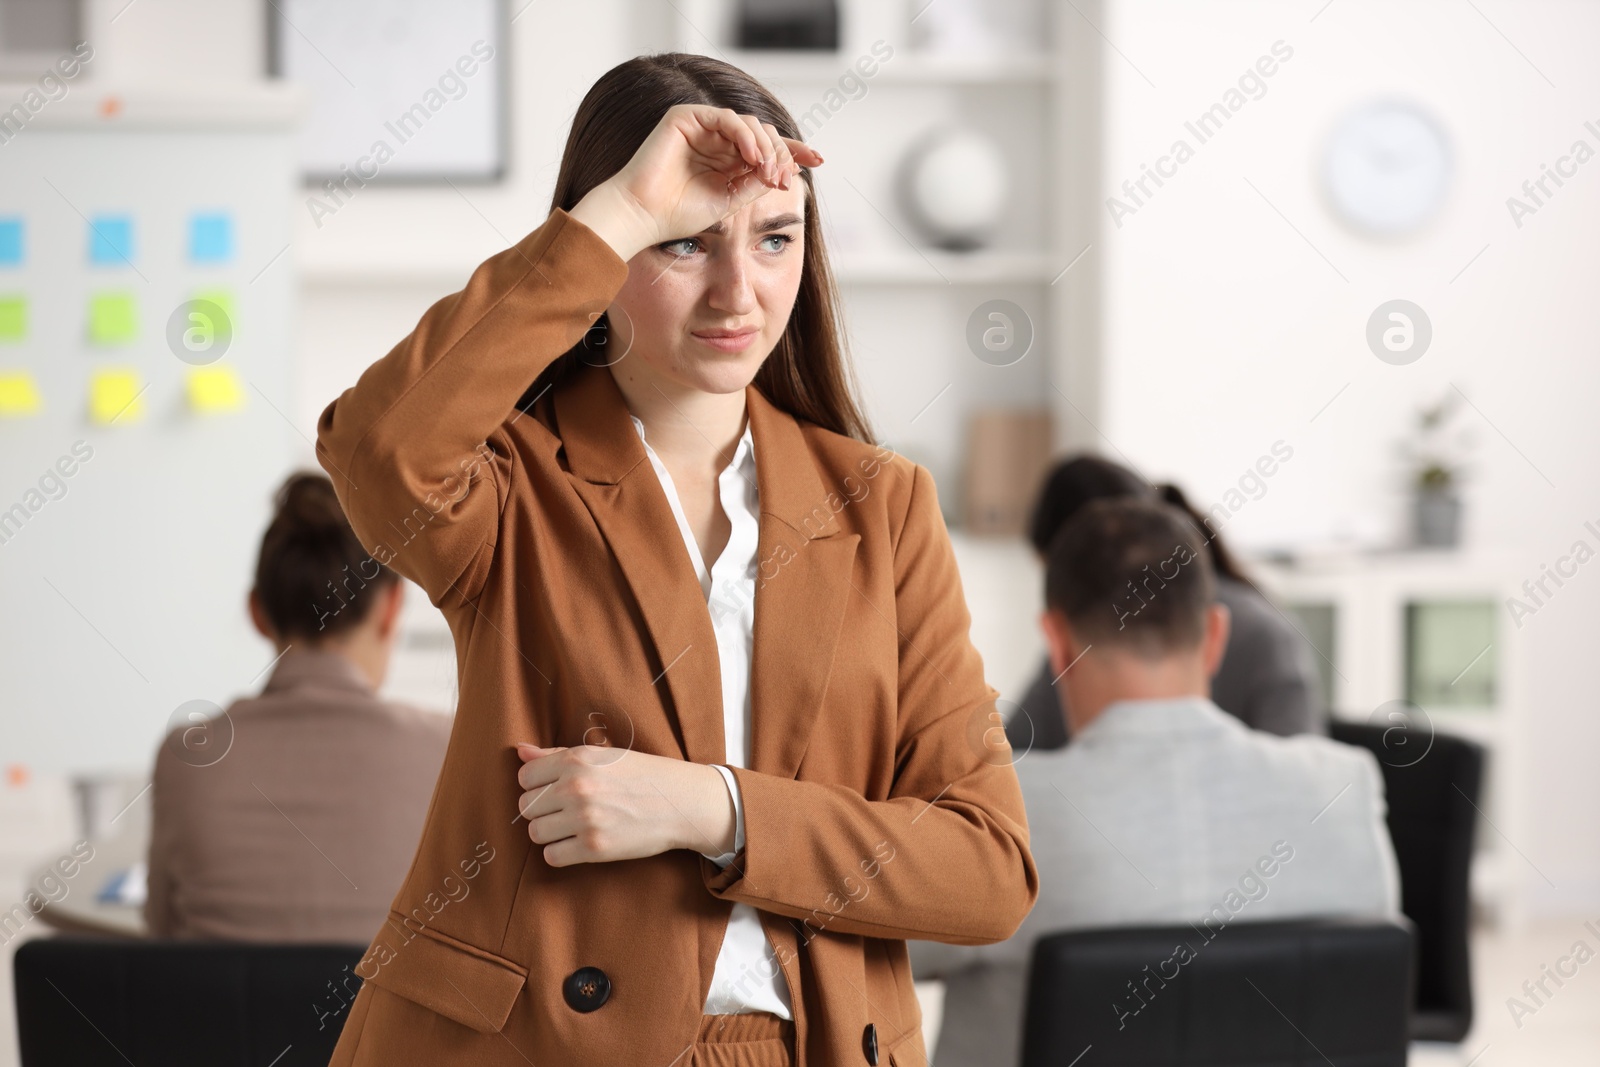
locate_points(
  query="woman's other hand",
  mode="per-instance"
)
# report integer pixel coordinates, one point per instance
(698, 166)
(593, 803)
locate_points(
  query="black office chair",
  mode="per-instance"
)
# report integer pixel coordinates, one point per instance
(1250, 994)
(92, 1001)
(1432, 820)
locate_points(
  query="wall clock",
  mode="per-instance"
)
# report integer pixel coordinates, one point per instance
(1386, 168)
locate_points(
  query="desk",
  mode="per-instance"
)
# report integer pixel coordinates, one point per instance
(80, 911)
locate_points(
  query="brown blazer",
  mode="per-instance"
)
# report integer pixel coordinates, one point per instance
(874, 812)
(299, 824)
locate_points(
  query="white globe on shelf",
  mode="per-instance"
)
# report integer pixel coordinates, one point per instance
(954, 184)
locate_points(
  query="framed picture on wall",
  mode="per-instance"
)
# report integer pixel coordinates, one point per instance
(401, 90)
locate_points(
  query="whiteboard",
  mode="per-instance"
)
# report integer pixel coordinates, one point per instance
(408, 90)
(123, 582)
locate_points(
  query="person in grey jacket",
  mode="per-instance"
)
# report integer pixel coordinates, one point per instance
(1268, 677)
(1164, 809)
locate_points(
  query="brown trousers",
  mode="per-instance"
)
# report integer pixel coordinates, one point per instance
(746, 1039)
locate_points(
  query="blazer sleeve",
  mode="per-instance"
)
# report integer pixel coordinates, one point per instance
(418, 449)
(945, 857)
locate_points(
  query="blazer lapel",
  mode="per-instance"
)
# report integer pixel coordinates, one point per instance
(803, 560)
(614, 478)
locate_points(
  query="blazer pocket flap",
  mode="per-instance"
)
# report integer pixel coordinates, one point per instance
(459, 981)
(907, 1050)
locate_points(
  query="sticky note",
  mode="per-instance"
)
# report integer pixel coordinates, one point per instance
(214, 388)
(114, 396)
(111, 240)
(210, 238)
(113, 319)
(18, 394)
(13, 318)
(220, 297)
(10, 242)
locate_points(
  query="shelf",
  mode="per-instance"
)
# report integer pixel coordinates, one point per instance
(903, 68)
(933, 267)
(451, 273)
(1336, 561)
(230, 107)
(876, 268)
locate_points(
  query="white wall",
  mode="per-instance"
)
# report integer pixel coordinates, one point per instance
(1225, 330)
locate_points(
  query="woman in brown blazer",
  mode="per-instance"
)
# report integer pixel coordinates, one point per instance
(550, 454)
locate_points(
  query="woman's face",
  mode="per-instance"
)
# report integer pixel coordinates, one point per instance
(742, 279)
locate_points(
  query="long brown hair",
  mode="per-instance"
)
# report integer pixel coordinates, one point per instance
(1223, 561)
(809, 373)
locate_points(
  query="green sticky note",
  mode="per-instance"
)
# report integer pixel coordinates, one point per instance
(113, 319)
(13, 318)
(220, 297)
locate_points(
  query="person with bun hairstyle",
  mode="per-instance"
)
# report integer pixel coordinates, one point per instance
(292, 816)
(721, 721)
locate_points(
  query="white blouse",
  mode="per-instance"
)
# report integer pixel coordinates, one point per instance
(747, 976)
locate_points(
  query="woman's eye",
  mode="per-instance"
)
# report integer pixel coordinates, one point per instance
(672, 248)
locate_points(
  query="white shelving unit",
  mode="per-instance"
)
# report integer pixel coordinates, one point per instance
(1367, 667)
(805, 68)
(907, 303)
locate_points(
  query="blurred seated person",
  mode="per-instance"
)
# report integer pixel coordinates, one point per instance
(1164, 809)
(1268, 677)
(295, 816)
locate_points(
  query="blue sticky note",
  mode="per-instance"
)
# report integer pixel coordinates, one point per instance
(210, 238)
(111, 240)
(10, 242)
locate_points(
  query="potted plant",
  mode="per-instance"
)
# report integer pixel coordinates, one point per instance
(1438, 470)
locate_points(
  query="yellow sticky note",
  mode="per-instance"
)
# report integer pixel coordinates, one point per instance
(113, 319)
(114, 396)
(13, 318)
(214, 389)
(18, 394)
